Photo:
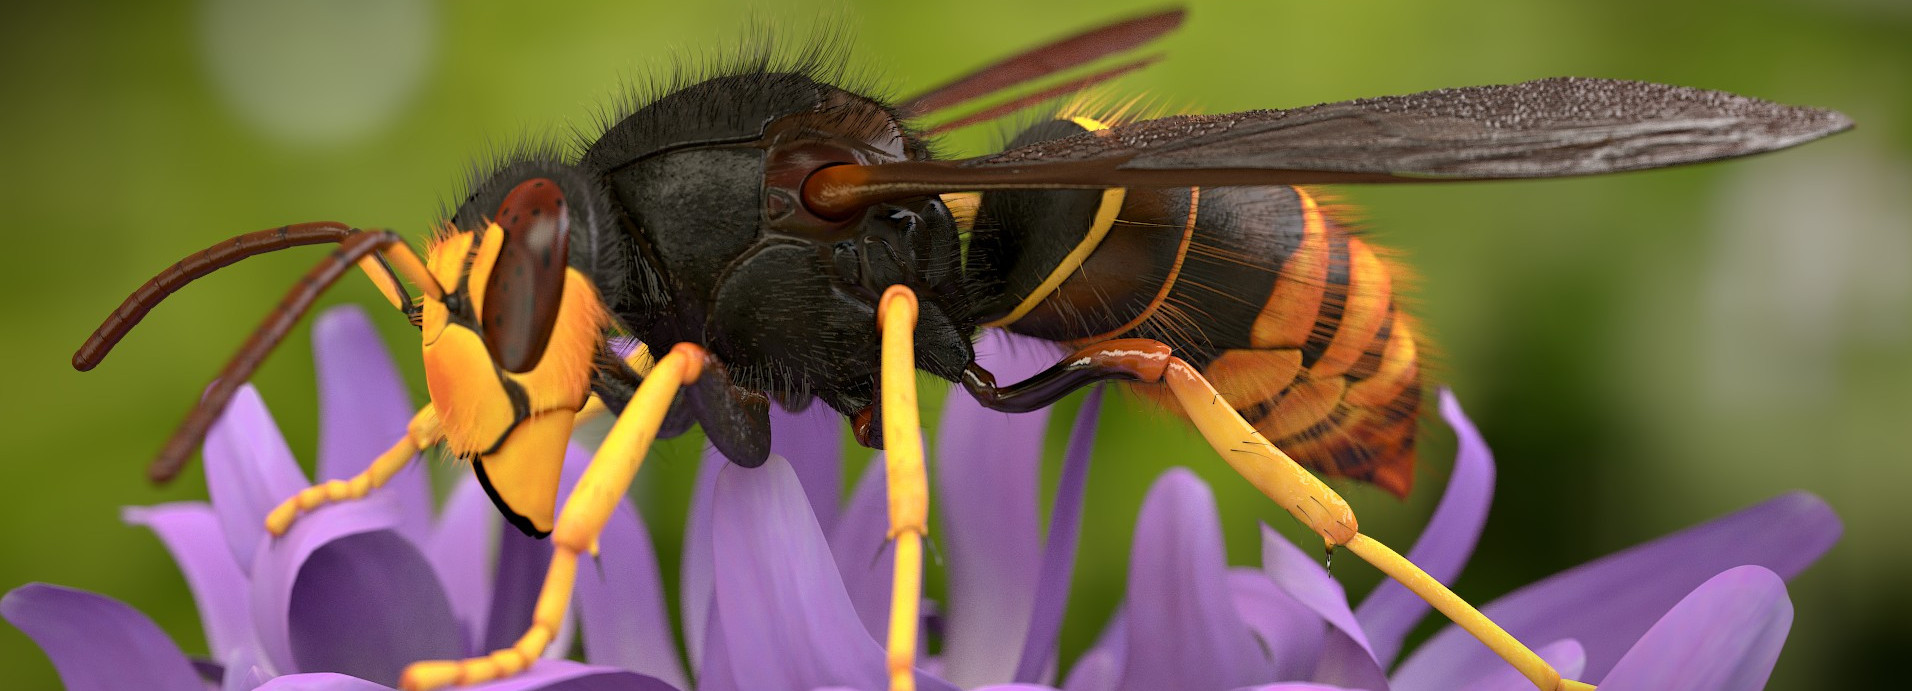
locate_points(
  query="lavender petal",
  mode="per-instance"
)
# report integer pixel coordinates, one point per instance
(812, 441)
(1633, 587)
(1391, 611)
(461, 549)
(1290, 634)
(1059, 548)
(192, 534)
(862, 549)
(1346, 658)
(1725, 636)
(989, 468)
(1178, 598)
(696, 580)
(1566, 657)
(98, 643)
(277, 570)
(320, 681)
(363, 409)
(778, 591)
(620, 603)
(249, 470)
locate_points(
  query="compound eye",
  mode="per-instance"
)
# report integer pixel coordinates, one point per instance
(526, 285)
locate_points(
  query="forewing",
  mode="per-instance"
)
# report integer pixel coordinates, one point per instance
(1538, 129)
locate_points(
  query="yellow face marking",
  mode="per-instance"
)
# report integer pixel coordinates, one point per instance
(471, 400)
(482, 262)
(523, 472)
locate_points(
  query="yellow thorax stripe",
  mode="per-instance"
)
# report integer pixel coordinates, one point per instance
(1105, 214)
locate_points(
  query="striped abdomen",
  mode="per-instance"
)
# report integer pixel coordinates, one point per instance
(1292, 317)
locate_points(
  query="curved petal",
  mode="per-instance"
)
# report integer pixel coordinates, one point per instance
(245, 671)
(278, 569)
(98, 643)
(367, 605)
(191, 532)
(988, 472)
(1633, 587)
(778, 593)
(249, 470)
(321, 681)
(861, 546)
(1391, 611)
(1014, 357)
(1725, 636)
(547, 675)
(1059, 548)
(812, 441)
(1290, 634)
(694, 593)
(461, 549)
(1295, 686)
(363, 410)
(620, 603)
(777, 588)
(1566, 657)
(1099, 669)
(1346, 658)
(1178, 598)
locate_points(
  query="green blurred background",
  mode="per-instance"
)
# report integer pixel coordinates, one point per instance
(1643, 351)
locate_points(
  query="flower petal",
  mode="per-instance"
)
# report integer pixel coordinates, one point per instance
(547, 675)
(245, 671)
(812, 441)
(1289, 632)
(1391, 610)
(1100, 669)
(778, 593)
(249, 470)
(988, 471)
(1059, 549)
(363, 410)
(98, 643)
(1566, 656)
(620, 603)
(191, 532)
(342, 593)
(1606, 604)
(368, 604)
(461, 549)
(1346, 658)
(1178, 598)
(321, 681)
(1725, 636)
(1013, 357)
(864, 554)
(697, 583)
(1296, 686)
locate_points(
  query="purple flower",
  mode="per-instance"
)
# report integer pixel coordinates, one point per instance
(786, 587)
(347, 598)
(1704, 608)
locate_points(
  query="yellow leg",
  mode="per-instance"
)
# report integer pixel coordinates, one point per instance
(579, 524)
(908, 481)
(1328, 515)
(421, 434)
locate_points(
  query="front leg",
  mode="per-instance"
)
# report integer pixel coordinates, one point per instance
(583, 518)
(423, 433)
